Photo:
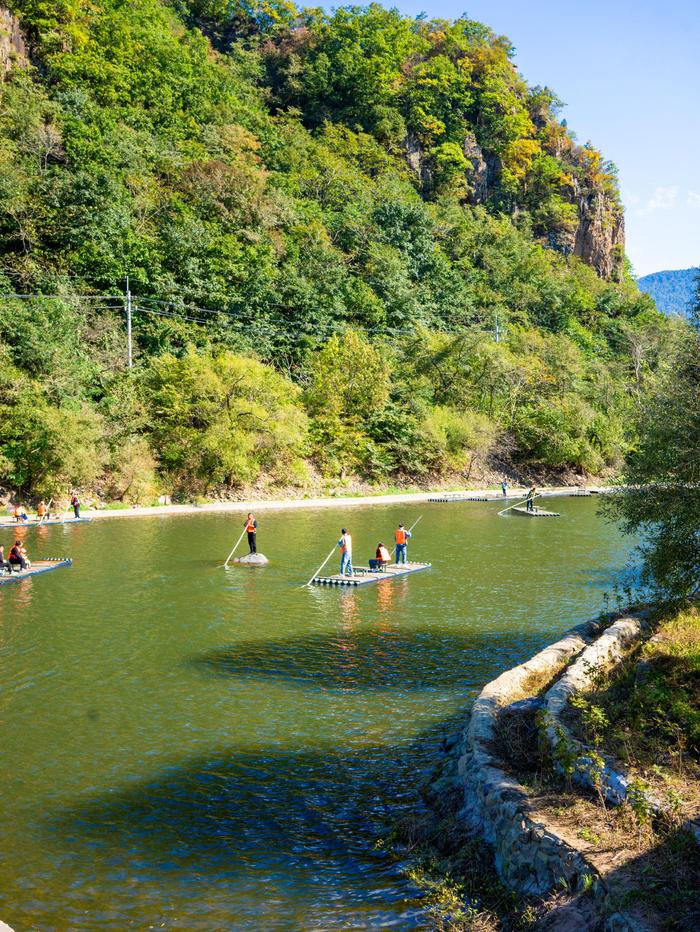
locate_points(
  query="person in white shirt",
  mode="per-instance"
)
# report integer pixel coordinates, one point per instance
(345, 544)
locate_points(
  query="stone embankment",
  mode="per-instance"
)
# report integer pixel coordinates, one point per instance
(530, 855)
(607, 651)
(528, 858)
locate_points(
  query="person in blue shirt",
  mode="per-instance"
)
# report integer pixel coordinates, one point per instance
(345, 544)
(401, 538)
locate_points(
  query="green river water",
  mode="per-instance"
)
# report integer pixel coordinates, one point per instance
(188, 747)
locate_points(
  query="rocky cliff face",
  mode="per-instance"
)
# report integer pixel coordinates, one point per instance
(12, 47)
(598, 238)
(600, 235)
(478, 175)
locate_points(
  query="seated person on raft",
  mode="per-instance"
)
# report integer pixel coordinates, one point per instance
(381, 559)
(18, 556)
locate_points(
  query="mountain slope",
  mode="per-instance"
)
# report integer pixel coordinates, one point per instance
(324, 219)
(673, 290)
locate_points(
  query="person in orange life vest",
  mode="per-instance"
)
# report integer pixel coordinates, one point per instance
(41, 510)
(75, 502)
(19, 514)
(345, 544)
(18, 555)
(401, 536)
(251, 526)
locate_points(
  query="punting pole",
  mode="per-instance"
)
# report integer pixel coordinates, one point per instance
(234, 548)
(63, 516)
(321, 567)
(415, 523)
(515, 505)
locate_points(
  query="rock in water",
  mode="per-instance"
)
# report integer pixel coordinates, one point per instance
(253, 559)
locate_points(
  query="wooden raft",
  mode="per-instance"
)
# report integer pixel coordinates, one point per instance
(537, 513)
(459, 498)
(364, 577)
(38, 566)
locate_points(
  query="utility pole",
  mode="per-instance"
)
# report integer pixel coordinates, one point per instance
(127, 308)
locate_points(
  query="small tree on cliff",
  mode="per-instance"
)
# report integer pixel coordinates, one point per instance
(662, 474)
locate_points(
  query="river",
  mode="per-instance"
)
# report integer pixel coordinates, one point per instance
(188, 747)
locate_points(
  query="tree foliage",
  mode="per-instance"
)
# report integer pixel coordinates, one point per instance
(661, 495)
(351, 201)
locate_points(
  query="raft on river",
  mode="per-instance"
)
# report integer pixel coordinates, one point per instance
(36, 522)
(38, 566)
(365, 577)
(458, 498)
(535, 513)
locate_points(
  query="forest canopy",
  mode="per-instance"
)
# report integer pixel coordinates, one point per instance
(359, 245)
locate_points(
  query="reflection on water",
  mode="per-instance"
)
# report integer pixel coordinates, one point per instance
(386, 657)
(199, 748)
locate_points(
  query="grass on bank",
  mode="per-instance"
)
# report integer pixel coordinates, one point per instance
(647, 713)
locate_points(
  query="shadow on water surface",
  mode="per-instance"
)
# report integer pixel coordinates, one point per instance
(298, 825)
(366, 660)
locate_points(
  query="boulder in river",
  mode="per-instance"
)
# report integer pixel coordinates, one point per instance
(253, 559)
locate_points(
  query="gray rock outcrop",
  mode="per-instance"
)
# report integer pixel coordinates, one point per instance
(528, 858)
(12, 48)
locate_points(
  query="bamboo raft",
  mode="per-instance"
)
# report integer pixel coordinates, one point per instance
(35, 522)
(364, 577)
(459, 498)
(537, 513)
(37, 567)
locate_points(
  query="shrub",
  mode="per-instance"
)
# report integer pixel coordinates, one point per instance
(222, 419)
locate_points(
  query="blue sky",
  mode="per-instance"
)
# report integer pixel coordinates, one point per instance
(629, 73)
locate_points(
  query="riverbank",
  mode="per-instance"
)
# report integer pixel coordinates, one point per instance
(603, 835)
(331, 501)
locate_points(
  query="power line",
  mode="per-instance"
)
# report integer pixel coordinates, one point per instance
(62, 297)
(176, 310)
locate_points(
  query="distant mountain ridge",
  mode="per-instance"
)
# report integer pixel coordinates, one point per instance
(673, 289)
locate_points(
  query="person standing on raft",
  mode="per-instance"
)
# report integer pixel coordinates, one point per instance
(401, 536)
(530, 500)
(42, 511)
(345, 544)
(251, 527)
(75, 504)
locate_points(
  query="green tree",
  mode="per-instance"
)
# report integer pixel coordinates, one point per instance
(349, 383)
(45, 448)
(223, 420)
(660, 495)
